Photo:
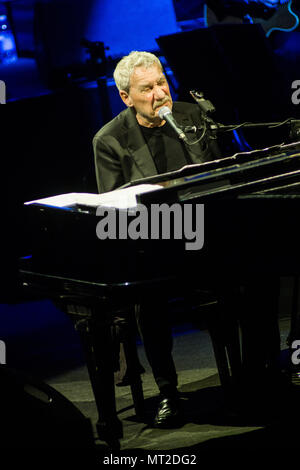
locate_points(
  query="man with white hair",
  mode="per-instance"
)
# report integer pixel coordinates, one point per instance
(137, 144)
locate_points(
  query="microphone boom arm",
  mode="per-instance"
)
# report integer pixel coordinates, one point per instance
(207, 108)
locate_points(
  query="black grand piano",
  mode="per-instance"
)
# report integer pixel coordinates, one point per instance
(251, 206)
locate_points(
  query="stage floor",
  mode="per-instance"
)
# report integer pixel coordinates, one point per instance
(42, 342)
(209, 423)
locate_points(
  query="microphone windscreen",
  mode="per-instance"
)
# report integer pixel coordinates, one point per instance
(164, 111)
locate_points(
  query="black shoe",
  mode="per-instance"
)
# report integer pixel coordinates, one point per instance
(167, 415)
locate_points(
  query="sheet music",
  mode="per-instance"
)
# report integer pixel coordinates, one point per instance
(120, 198)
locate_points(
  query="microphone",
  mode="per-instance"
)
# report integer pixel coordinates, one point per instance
(166, 114)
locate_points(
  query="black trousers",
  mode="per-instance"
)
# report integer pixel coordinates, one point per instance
(152, 318)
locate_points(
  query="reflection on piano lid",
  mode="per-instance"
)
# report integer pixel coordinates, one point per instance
(247, 172)
(238, 158)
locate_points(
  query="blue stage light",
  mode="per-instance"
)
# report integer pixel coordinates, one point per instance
(8, 51)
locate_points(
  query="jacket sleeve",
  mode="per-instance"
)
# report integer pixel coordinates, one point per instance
(109, 174)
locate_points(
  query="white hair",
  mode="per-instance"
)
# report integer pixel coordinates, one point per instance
(128, 63)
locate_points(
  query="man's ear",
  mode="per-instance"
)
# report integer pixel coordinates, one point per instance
(125, 98)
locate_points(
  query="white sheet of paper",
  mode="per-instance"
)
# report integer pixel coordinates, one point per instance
(120, 198)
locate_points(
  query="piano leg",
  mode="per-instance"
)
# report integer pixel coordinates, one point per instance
(134, 374)
(223, 327)
(126, 333)
(97, 343)
(224, 333)
(93, 321)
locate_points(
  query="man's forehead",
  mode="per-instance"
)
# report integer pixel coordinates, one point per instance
(146, 74)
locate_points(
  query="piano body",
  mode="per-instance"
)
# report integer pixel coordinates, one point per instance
(251, 202)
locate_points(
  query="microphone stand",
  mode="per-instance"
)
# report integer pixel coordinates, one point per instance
(207, 108)
(230, 127)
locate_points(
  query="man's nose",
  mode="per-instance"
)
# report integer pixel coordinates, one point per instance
(159, 93)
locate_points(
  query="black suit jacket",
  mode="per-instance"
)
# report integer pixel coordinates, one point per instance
(122, 155)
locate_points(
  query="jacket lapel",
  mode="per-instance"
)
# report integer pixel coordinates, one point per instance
(137, 146)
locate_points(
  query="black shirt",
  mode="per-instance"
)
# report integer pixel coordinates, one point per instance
(167, 150)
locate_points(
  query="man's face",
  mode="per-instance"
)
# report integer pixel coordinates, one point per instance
(149, 91)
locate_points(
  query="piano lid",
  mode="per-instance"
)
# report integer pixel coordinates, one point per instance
(238, 158)
(244, 173)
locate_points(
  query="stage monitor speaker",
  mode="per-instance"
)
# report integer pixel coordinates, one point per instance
(34, 416)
